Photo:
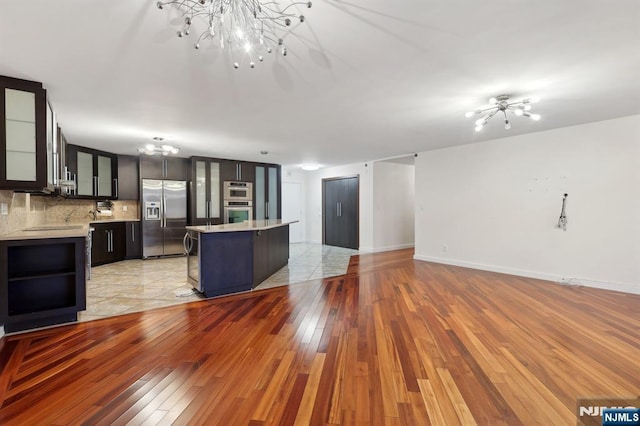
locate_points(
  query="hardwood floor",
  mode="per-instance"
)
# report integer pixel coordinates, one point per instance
(394, 341)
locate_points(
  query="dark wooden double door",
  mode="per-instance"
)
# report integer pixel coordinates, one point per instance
(340, 215)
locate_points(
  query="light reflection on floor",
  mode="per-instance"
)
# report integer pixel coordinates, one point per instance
(138, 285)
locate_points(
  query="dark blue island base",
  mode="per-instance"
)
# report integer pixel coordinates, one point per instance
(232, 262)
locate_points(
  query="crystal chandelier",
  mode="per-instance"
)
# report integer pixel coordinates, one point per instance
(254, 27)
(501, 104)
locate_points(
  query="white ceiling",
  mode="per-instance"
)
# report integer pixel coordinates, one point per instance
(364, 79)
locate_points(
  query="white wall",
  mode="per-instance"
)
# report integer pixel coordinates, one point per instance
(297, 176)
(386, 204)
(494, 205)
(314, 201)
(393, 206)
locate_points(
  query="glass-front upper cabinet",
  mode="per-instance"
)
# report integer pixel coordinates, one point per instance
(267, 203)
(205, 192)
(93, 172)
(23, 136)
(52, 141)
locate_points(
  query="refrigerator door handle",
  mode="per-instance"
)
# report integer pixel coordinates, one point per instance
(164, 211)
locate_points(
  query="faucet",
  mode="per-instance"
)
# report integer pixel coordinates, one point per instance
(94, 213)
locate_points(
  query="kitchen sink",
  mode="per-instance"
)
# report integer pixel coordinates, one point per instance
(55, 228)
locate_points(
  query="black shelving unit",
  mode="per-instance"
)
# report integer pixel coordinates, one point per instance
(42, 282)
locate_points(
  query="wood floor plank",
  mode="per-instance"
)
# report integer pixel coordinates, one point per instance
(394, 341)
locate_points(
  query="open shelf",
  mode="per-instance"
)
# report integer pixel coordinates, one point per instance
(41, 294)
(35, 260)
(42, 282)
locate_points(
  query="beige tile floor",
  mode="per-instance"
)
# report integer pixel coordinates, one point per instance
(138, 285)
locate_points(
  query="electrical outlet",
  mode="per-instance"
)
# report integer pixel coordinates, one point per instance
(124, 208)
(4, 209)
(445, 248)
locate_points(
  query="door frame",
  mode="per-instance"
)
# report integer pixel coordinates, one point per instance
(324, 219)
(298, 226)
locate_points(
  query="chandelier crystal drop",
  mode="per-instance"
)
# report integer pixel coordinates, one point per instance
(249, 28)
(501, 104)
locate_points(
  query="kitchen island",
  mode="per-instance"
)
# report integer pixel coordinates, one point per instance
(235, 257)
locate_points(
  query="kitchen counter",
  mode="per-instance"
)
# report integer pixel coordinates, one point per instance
(231, 258)
(113, 220)
(249, 225)
(48, 231)
(58, 230)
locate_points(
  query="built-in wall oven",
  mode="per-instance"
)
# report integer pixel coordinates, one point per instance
(238, 191)
(237, 211)
(238, 201)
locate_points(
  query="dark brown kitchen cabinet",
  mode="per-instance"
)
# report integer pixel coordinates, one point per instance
(270, 252)
(134, 241)
(94, 172)
(240, 171)
(108, 243)
(205, 193)
(128, 177)
(45, 292)
(340, 212)
(164, 167)
(25, 162)
(267, 199)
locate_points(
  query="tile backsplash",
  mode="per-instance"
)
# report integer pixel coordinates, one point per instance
(27, 210)
(71, 210)
(24, 211)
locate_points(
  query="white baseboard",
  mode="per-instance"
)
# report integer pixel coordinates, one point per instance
(386, 248)
(623, 287)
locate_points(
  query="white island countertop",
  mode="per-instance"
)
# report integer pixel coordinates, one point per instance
(249, 225)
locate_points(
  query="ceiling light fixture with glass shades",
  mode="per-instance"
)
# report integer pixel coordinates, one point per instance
(164, 149)
(501, 104)
(252, 27)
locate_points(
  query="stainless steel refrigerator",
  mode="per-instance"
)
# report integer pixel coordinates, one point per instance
(164, 217)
